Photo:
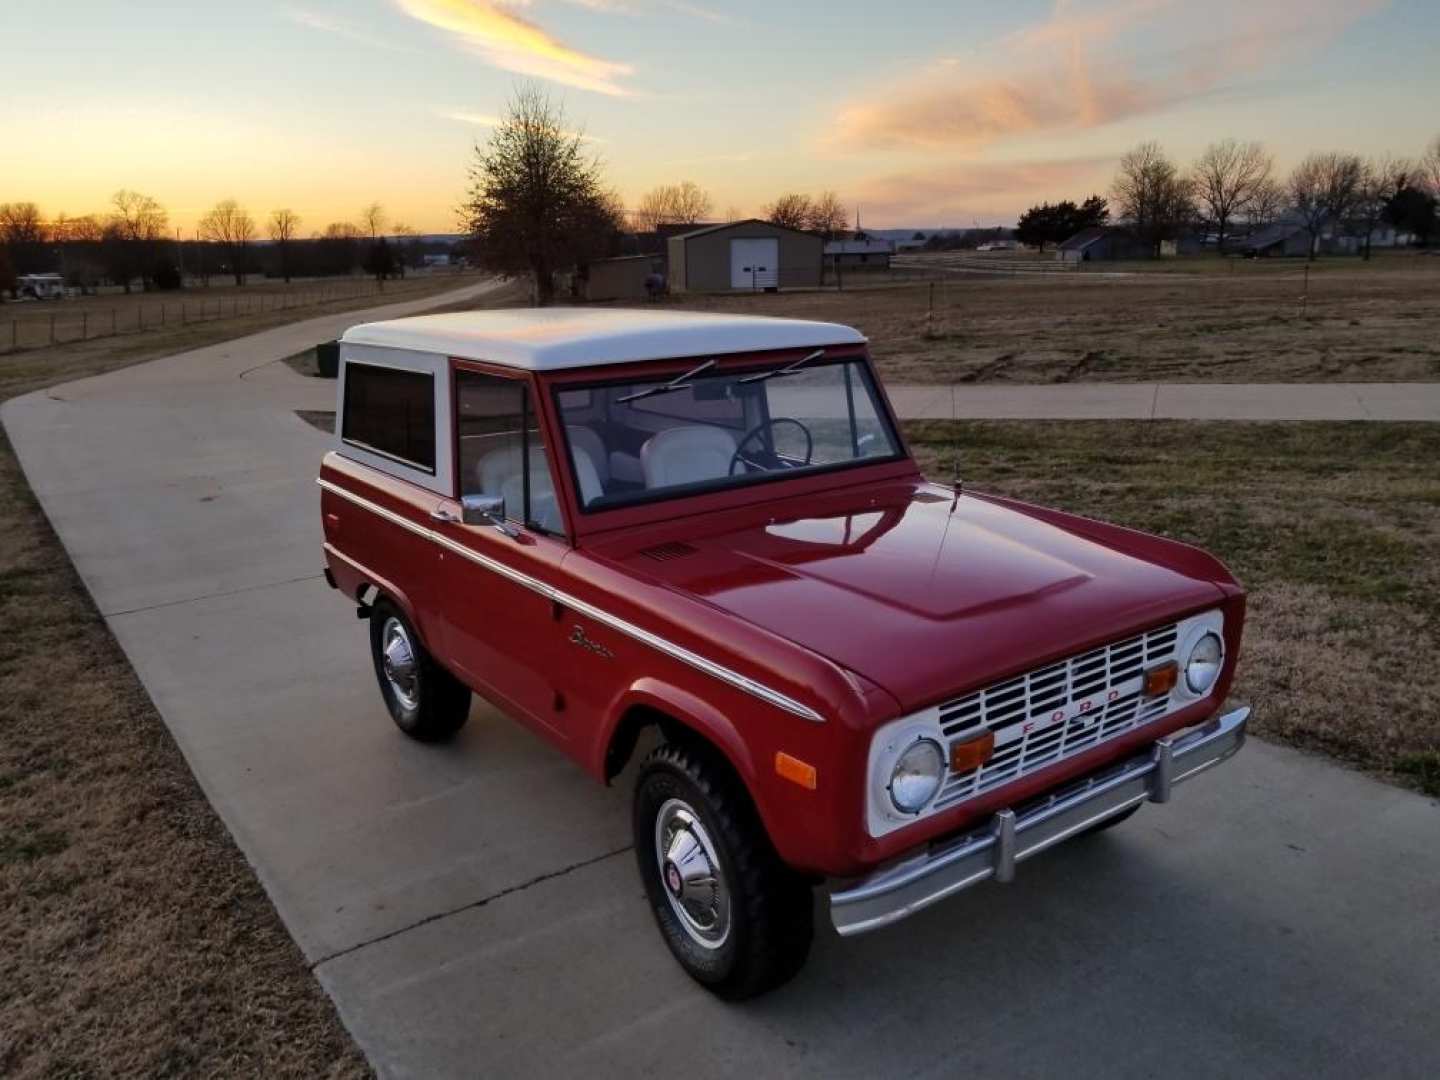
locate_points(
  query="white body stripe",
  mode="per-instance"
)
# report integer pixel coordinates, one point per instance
(645, 637)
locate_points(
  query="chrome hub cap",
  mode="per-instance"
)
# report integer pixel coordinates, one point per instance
(398, 660)
(690, 869)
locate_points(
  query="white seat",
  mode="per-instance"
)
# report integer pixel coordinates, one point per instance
(588, 439)
(499, 473)
(687, 455)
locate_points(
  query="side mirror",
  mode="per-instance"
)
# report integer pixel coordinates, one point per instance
(482, 509)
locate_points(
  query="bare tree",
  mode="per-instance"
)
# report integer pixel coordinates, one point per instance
(692, 203)
(684, 203)
(827, 215)
(22, 232)
(284, 225)
(732, 214)
(1227, 176)
(1266, 204)
(790, 211)
(1430, 167)
(1372, 195)
(133, 234)
(1323, 189)
(372, 220)
(653, 209)
(1151, 196)
(231, 226)
(536, 204)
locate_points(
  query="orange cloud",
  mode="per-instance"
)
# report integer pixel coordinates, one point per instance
(989, 192)
(515, 44)
(1091, 65)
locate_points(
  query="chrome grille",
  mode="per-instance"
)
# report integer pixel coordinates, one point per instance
(1056, 711)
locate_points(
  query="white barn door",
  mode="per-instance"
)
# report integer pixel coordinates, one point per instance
(755, 263)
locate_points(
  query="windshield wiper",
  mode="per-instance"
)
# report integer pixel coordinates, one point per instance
(677, 383)
(791, 368)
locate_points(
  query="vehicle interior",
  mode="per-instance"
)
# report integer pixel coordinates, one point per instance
(638, 441)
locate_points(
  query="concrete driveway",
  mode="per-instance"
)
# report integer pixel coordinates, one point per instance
(474, 908)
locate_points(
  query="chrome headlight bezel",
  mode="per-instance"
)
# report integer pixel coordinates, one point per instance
(1199, 672)
(934, 776)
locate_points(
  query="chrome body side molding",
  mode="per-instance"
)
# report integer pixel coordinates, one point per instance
(614, 622)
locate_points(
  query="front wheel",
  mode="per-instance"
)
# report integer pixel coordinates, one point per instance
(736, 918)
(425, 701)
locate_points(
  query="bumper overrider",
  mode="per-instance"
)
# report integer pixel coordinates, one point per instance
(992, 851)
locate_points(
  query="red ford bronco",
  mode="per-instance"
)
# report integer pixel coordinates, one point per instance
(607, 521)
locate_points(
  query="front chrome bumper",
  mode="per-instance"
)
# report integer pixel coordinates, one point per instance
(992, 851)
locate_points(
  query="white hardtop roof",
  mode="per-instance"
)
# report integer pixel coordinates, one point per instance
(552, 339)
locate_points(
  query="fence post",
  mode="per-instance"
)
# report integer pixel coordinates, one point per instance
(112, 322)
(52, 328)
(14, 335)
(84, 326)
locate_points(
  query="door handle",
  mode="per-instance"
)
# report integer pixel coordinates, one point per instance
(441, 514)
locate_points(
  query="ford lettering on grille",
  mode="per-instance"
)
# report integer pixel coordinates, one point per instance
(1057, 711)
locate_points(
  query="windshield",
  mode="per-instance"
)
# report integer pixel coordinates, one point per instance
(702, 430)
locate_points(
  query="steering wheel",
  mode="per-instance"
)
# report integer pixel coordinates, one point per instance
(757, 459)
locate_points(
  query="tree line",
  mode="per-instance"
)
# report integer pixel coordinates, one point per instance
(133, 243)
(1233, 188)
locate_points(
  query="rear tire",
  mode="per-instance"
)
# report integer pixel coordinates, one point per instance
(738, 920)
(425, 701)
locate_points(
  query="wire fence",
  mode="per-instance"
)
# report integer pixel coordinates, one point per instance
(47, 323)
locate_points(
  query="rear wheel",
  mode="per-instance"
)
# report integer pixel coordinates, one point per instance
(425, 701)
(737, 919)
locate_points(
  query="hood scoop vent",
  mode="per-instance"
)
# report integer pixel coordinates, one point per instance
(675, 549)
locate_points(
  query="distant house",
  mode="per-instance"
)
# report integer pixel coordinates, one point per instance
(748, 255)
(1103, 242)
(435, 260)
(872, 253)
(1281, 238)
(40, 286)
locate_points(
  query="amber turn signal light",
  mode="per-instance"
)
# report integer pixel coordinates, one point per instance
(972, 753)
(1162, 679)
(793, 769)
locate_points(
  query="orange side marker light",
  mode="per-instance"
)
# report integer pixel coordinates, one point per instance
(1162, 679)
(972, 753)
(795, 770)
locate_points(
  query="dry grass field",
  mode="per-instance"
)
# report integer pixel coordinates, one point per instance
(1358, 322)
(28, 325)
(1334, 529)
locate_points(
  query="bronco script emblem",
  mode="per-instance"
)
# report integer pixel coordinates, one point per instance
(578, 637)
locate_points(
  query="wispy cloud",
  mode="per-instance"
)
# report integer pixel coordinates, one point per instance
(993, 192)
(513, 43)
(1090, 64)
(475, 119)
(327, 23)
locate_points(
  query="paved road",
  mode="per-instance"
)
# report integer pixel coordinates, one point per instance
(474, 908)
(1171, 401)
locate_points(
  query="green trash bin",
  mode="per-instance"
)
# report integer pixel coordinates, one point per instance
(327, 359)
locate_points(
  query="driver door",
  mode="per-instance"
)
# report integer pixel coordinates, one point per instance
(499, 632)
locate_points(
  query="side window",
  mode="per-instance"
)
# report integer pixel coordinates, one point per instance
(392, 413)
(502, 452)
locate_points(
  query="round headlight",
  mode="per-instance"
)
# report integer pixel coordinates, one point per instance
(1203, 666)
(917, 775)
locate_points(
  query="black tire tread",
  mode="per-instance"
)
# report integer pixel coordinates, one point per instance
(775, 926)
(444, 699)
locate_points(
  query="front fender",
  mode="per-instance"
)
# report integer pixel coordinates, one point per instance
(684, 707)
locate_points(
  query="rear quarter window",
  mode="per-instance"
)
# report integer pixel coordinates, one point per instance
(391, 412)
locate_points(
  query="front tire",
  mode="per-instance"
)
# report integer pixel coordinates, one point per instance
(738, 920)
(425, 701)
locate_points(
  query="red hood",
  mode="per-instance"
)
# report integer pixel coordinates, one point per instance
(924, 595)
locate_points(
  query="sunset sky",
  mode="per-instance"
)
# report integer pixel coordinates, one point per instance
(922, 113)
